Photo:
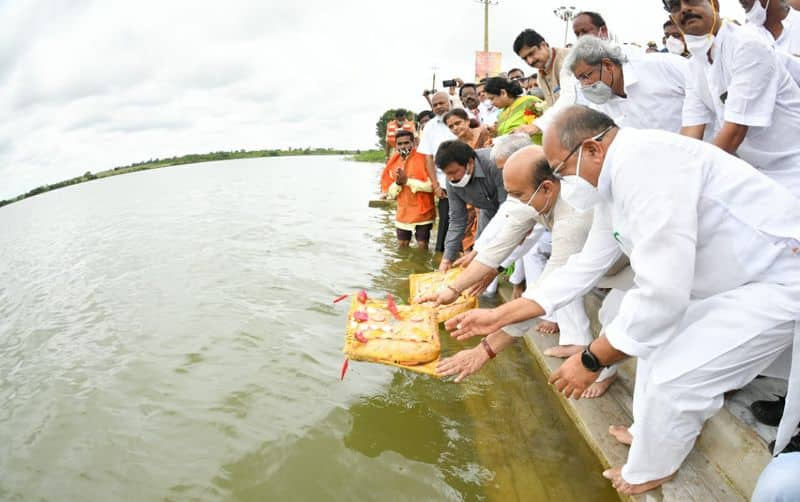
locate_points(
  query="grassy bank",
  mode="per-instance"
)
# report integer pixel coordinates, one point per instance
(175, 161)
(369, 156)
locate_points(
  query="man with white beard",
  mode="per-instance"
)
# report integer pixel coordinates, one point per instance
(716, 300)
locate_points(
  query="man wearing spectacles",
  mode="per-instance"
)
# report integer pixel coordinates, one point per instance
(711, 244)
(740, 90)
(636, 91)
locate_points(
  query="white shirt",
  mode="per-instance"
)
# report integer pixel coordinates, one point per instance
(789, 40)
(747, 85)
(655, 86)
(434, 134)
(568, 96)
(488, 112)
(790, 60)
(695, 222)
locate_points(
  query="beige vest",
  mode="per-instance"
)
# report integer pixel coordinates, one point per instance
(550, 82)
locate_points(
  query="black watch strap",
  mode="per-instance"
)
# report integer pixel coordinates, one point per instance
(590, 361)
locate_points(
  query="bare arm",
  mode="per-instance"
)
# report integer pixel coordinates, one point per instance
(731, 136)
(695, 132)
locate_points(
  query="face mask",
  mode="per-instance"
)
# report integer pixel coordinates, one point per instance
(577, 192)
(599, 92)
(757, 15)
(675, 46)
(522, 212)
(404, 152)
(699, 45)
(464, 181)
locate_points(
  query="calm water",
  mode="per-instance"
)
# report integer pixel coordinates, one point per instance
(169, 335)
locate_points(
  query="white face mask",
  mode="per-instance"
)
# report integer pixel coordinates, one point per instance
(464, 181)
(577, 192)
(757, 14)
(599, 92)
(522, 212)
(676, 46)
(699, 45)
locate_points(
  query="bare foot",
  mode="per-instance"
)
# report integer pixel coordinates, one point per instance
(547, 327)
(564, 351)
(621, 434)
(597, 389)
(622, 486)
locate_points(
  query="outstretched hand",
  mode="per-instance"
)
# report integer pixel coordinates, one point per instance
(444, 297)
(464, 363)
(479, 287)
(465, 260)
(474, 323)
(572, 378)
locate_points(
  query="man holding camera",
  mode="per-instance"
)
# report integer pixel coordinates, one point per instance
(405, 178)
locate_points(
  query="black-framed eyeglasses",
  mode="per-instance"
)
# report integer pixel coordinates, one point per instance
(673, 6)
(598, 137)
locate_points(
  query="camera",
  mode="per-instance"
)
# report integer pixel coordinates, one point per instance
(449, 83)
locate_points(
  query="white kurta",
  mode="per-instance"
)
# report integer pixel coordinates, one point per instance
(717, 288)
(434, 134)
(655, 86)
(747, 84)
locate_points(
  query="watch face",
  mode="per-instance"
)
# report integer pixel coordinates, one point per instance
(589, 361)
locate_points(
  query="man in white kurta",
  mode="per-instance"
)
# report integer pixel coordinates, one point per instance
(717, 285)
(741, 90)
(645, 91)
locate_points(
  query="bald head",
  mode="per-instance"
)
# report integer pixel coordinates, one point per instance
(440, 103)
(521, 169)
(573, 125)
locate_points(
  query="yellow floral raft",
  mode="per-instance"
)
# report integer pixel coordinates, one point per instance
(425, 284)
(374, 334)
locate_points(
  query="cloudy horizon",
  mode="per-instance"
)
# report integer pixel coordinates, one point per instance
(92, 85)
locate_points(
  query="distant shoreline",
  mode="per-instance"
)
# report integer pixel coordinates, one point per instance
(356, 155)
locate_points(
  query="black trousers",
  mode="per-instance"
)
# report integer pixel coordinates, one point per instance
(444, 223)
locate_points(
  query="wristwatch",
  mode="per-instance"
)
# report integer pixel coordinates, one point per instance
(590, 361)
(501, 269)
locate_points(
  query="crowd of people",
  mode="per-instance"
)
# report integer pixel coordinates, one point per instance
(666, 180)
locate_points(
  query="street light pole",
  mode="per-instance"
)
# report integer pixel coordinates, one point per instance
(486, 4)
(566, 14)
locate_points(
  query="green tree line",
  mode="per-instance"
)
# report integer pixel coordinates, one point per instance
(174, 161)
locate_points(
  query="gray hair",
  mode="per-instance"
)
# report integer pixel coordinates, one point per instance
(507, 145)
(592, 51)
(576, 124)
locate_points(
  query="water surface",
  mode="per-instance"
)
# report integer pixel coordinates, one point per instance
(169, 335)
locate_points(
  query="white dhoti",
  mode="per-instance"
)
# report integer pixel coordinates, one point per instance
(723, 343)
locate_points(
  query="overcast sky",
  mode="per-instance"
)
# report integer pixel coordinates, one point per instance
(89, 85)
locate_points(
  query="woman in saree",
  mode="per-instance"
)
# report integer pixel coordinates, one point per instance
(458, 122)
(516, 108)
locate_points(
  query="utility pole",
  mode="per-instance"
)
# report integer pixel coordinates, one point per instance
(566, 14)
(486, 4)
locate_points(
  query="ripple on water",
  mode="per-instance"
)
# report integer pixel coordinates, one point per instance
(170, 335)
